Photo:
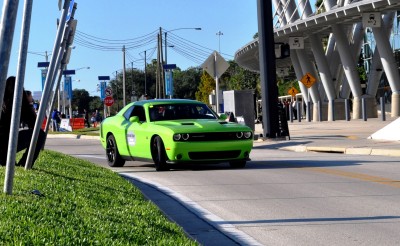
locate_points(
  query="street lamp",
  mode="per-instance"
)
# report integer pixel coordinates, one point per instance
(76, 69)
(219, 33)
(165, 39)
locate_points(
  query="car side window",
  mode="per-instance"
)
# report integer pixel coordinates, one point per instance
(139, 112)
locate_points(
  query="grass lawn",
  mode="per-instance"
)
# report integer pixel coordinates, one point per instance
(81, 204)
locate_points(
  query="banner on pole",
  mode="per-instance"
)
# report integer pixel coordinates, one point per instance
(103, 86)
(68, 86)
(169, 81)
(43, 75)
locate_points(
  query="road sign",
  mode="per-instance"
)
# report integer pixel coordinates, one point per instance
(104, 77)
(69, 72)
(308, 80)
(296, 43)
(169, 66)
(371, 19)
(108, 92)
(215, 65)
(108, 101)
(293, 91)
(43, 64)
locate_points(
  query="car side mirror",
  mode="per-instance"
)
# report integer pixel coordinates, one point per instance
(223, 117)
(134, 119)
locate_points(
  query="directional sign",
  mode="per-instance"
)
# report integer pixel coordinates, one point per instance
(108, 101)
(215, 65)
(293, 91)
(108, 92)
(308, 80)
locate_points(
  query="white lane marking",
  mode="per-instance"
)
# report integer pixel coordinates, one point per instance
(228, 229)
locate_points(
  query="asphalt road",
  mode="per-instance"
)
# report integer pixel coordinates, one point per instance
(280, 198)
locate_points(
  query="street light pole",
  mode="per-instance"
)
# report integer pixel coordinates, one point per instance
(165, 38)
(219, 33)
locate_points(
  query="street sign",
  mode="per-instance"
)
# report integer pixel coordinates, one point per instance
(108, 92)
(104, 77)
(69, 72)
(296, 43)
(293, 91)
(215, 65)
(43, 64)
(108, 101)
(308, 80)
(371, 19)
(169, 66)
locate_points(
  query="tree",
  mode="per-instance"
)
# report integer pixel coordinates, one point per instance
(186, 82)
(207, 85)
(237, 78)
(80, 99)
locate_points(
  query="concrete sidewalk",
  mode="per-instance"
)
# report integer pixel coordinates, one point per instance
(347, 137)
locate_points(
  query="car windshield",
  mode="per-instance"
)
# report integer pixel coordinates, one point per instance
(180, 112)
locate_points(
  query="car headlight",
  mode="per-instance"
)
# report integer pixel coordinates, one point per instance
(181, 136)
(247, 134)
(185, 136)
(239, 134)
(177, 137)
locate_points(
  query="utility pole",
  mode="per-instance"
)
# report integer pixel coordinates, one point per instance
(116, 86)
(162, 84)
(123, 78)
(145, 74)
(158, 77)
(133, 85)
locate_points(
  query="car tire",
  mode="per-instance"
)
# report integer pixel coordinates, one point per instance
(113, 157)
(158, 154)
(237, 164)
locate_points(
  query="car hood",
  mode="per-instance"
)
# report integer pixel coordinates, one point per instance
(202, 125)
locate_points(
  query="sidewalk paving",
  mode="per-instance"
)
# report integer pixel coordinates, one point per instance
(347, 137)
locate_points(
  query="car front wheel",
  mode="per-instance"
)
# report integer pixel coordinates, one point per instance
(158, 154)
(113, 157)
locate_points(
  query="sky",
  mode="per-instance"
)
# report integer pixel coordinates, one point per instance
(128, 21)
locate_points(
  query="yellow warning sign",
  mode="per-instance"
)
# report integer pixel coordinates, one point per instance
(293, 91)
(308, 80)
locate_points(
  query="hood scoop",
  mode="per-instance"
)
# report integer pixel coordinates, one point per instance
(187, 124)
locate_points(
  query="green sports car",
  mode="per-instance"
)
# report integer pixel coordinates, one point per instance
(172, 131)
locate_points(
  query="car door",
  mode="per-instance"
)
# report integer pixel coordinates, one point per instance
(136, 133)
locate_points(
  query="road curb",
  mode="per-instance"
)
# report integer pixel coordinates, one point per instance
(75, 136)
(343, 150)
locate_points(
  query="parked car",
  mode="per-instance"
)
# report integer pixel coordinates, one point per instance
(172, 131)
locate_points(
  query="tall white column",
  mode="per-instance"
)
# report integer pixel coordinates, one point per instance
(350, 68)
(390, 66)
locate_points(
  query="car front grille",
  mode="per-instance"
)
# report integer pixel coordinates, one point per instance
(210, 155)
(215, 136)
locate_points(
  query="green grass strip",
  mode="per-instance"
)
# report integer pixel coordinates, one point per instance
(82, 204)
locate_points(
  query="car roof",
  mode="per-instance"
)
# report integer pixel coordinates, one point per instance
(166, 101)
